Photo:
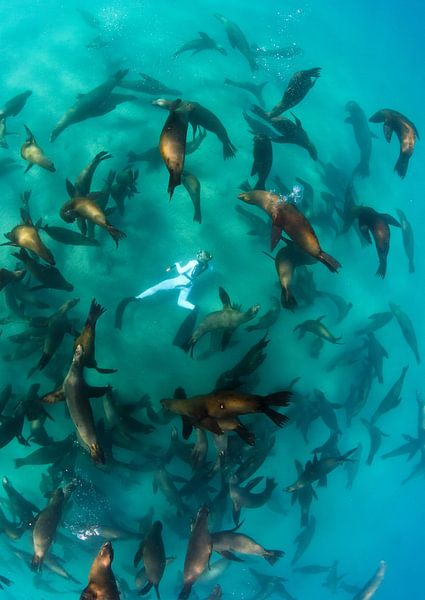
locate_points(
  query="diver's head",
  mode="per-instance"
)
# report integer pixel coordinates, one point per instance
(203, 256)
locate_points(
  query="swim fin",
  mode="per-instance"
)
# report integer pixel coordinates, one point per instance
(186, 329)
(119, 313)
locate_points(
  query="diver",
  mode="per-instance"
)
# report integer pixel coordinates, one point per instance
(186, 276)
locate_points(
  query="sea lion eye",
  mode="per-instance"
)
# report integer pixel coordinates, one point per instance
(221, 405)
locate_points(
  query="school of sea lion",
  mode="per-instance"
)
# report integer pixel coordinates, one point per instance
(196, 460)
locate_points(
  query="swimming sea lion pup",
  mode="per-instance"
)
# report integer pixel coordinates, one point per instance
(363, 135)
(299, 85)
(102, 584)
(34, 155)
(405, 131)
(203, 42)
(238, 40)
(152, 552)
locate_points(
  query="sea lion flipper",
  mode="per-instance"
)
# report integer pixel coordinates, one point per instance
(186, 427)
(70, 188)
(388, 132)
(30, 165)
(224, 297)
(226, 339)
(276, 234)
(97, 391)
(230, 556)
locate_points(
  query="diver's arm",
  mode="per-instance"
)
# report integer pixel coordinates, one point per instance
(190, 265)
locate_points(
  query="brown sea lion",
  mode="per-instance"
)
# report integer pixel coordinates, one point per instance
(408, 239)
(256, 89)
(317, 328)
(49, 277)
(152, 552)
(87, 338)
(298, 87)
(193, 187)
(238, 40)
(83, 182)
(34, 155)
(285, 216)
(14, 106)
(86, 208)
(77, 393)
(198, 552)
(228, 542)
(45, 527)
(405, 131)
(102, 584)
(290, 132)
(149, 85)
(263, 160)
(172, 143)
(7, 277)
(377, 224)
(407, 329)
(26, 236)
(224, 321)
(199, 116)
(203, 42)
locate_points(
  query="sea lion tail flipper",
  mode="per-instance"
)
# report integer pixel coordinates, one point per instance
(30, 136)
(185, 592)
(105, 371)
(187, 427)
(257, 110)
(277, 399)
(275, 236)
(287, 300)
(315, 72)
(116, 234)
(362, 169)
(119, 313)
(36, 563)
(146, 588)
(173, 182)
(183, 337)
(401, 165)
(276, 417)
(97, 391)
(96, 311)
(329, 261)
(229, 150)
(245, 435)
(273, 556)
(382, 269)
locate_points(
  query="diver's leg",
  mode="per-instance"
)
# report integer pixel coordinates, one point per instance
(182, 300)
(167, 284)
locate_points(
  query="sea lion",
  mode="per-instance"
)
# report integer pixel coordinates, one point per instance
(95, 103)
(378, 320)
(124, 187)
(363, 135)
(304, 538)
(14, 106)
(45, 527)
(4, 133)
(224, 321)
(203, 42)
(86, 208)
(68, 237)
(83, 182)
(102, 584)
(285, 216)
(317, 328)
(152, 552)
(19, 506)
(228, 542)
(193, 187)
(238, 40)
(256, 89)
(299, 85)
(49, 277)
(26, 236)
(318, 470)
(263, 160)
(172, 143)
(7, 277)
(198, 552)
(343, 307)
(77, 393)
(34, 155)
(164, 482)
(405, 131)
(242, 497)
(87, 338)
(408, 239)
(290, 132)
(377, 224)
(376, 354)
(199, 116)
(46, 455)
(375, 435)
(407, 329)
(392, 398)
(268, 319)
(258, 127)
(148, 85)
(254, 358)
(369, 589)
(206, 409)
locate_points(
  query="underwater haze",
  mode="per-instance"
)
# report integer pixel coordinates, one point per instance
(347, 511)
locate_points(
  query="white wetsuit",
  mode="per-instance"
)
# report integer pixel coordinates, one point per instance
(182, 282)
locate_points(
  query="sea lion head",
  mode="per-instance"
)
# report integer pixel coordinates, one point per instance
(253, 310)
(157, 526)
(96, 452)
(106, 554)
(67, 214)
(167, 405)
(78, 354)
(162, 102)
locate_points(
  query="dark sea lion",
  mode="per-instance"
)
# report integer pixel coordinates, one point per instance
(268, 319)
(256, 89)
(238, 40)
(290, 132)
(203, 42)
(19, 505)
(228, 542)
(254, 358)
(224, 321)
(4, 133)
(285, 216)
(318, 470)
(83, 182)
(86, 208)
(49, 277)
(199, 116)
(46, 455)
(68, 237)
(149, 85)
(124, 187)
(376, 354)
(375, 438)
(317, 328)
(305, 537)
(392, 398)
(377, 224)
(260, 128)
(405, 131)
(198, 552)
(102, 584)
(369, 589)
(94, 103)
(363, 135)
(7, 277)
(243, 497)
(45, 527)
(14, 106)
(263, 160)
(11, 427)
(172, 143)
(299, 85)
(87, 338)
(343, 307)
(408, 239)
(34, 155)
(77, 393)
(193, 187)
(407, 329)
(152, 552)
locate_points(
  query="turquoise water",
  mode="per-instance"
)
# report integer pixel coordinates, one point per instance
(369, 54)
